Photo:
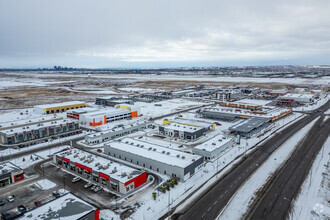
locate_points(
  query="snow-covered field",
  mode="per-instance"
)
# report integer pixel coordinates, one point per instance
(313, 200)
(239, 204)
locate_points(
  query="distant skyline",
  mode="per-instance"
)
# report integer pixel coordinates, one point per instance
(158, 34)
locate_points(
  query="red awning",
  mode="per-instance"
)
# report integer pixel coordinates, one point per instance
(104, 176)
(65, 159)
(83, 167)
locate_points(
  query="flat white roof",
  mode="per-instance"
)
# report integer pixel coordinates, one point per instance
(154, 152)
(23, 122)
(191, 122)
(36, 126)
(82, 110)
(65, 207)
(118, 128)
(7, 167)
(254, 102)
(55, 105)
(108, 111)
(183, 128)
(121, 169)
(295, 95)
(214, 143)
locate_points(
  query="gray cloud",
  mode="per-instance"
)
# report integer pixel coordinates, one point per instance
(132, 33)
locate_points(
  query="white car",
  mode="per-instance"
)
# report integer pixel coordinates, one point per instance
(76, 179)
(87, 185)
(10, 198)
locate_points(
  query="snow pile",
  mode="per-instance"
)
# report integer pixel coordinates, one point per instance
(45, 184)
(26, 161)
(106, 214)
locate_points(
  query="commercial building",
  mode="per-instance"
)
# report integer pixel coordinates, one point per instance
(106, 173)
(297, 98)
(184, 129)
(270, 113)
(105, 116)
(212, 148)
(241, 105)
(32, 133)
(155, 157)
(75, 113)
(113, 101)
(251, 126)
(10, 173)
(67, 206)
(59, 107)
(99, 137)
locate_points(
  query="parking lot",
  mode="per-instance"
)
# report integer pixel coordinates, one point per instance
(100, 199)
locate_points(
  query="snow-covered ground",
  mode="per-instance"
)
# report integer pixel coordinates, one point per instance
(106, 214)
(240, 202)
(133, 89)
(26, 161)
(313, 200)
(45, 184)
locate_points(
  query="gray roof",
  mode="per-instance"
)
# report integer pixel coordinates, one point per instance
(219, 114)
(250, 124)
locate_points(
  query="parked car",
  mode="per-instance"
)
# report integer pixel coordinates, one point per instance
(56, 194)
(37, 203)
(2, 203)
(11, 198)
(93, 187)
(87, 185)
(217, 123)
(21, 208)
(97, 189)
(76, 179)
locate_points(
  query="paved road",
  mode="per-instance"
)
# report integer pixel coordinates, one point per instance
(209, 205)
(277, 199)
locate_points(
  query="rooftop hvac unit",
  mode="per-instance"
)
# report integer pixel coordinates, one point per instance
(97, 164)
(178, 156)
(100, 167)
(129, 176)
(168, 153)
(163, 152)
(183, 157)
(150, 148)
(106, 167)
(89, 156)
(76, 155)
(90, 160)
(193, 160)
(132, 143)
(154, 149)
(114, 170)
(138, 145)
(123, 174)
(82, 158)
(127, 142)
(142, 145)
(4, 171)
(213, 144)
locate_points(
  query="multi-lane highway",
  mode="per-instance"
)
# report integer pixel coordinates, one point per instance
(209, 205)
(276, 202)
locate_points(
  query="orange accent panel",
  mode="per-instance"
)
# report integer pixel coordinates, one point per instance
(134, 114)
(105, 119)
(95, 123)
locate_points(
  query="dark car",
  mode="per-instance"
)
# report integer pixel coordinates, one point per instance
(37, 203)
(2, 203)
(56, 194)
(21, 208)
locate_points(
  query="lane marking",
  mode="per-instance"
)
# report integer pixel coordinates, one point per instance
(209, 209)
(203, 215)
(215, 202)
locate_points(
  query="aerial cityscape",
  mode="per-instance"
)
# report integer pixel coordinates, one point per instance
(176, 110)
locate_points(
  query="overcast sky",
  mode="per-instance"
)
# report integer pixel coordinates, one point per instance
(167, 33)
